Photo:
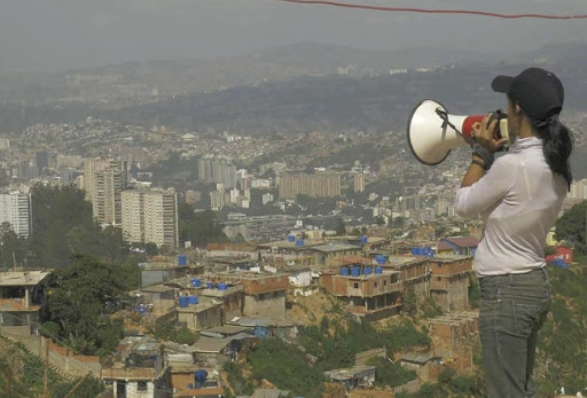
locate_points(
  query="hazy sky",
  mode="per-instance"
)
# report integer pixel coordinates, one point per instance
(71, 33)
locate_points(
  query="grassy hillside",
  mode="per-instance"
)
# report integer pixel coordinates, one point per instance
(22, 375)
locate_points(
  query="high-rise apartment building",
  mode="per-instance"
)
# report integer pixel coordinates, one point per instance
(217, 170)
(578, 190)
(15, 209)
(104, 181)
(150, 216)
(319, 185)
(359, 183)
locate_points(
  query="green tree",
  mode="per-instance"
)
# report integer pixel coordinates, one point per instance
(390, 374)
(13, 249)
(151, 249)
(199, 228)
(571, 226)
(63, 227)
(284, 365)
(410, 301)
(81, 298)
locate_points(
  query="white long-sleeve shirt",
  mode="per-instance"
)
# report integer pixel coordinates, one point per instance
(519, 198)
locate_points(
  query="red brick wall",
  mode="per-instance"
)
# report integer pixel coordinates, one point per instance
(265, 284)
(450, 267)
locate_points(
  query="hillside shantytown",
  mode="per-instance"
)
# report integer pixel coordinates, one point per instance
(259, 239)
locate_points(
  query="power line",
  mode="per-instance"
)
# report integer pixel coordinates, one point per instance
(436, 11)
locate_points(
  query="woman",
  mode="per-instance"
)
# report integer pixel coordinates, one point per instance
(519, 197)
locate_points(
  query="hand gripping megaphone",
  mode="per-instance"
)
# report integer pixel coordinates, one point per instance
(433, 132)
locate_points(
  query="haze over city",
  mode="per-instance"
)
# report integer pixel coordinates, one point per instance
(63, 34)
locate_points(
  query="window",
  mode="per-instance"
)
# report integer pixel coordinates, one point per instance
(142, 386)
(384, 283)
(438, 278)
(356, 285)
(375, 284)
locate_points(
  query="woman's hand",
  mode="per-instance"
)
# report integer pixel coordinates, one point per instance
(483, 133)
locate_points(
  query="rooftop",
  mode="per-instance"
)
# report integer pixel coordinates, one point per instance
(349, 373)
(286, 244)
(22, 278)
(418, 358)
(263, 322)
(335, 247)
(229, 330)
(204, 304)
(128, 374)
(459, 241)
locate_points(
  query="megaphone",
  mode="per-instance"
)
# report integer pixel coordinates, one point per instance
(433, 132)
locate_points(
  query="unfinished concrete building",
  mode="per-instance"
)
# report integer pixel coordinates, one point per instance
(207, 313)
(328, 255)
(414, 272)
(263, 294)
(453, 336)
(368, 295)
(21, 296)
(449, 282)
(231, 298)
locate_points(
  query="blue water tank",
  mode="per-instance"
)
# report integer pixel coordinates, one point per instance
(356, 271)
(196, 282)
(414, 251)
(184, 301)
(344, 271)
(378, 270)
(364, 239)
(200, 376)
(209, 285)
(222, 286)
(380, 258)
(300, 243)
(367, 270)
(182, 260)
(193, 299)
(291, 238)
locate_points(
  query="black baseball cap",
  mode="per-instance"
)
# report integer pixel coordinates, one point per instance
(538, 92)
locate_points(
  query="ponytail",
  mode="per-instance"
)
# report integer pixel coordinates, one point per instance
(557, 146)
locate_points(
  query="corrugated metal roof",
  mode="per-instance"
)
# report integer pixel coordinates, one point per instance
(210, 344)
(459, 241)
(417, 358)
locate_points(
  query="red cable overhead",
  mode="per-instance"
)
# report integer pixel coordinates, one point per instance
(431, 11)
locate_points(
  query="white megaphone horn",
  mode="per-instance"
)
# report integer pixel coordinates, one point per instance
(433, 132)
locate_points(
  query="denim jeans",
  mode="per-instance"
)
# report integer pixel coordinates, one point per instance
(513, 309)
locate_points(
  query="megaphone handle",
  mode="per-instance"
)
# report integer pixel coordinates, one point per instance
(445, 122)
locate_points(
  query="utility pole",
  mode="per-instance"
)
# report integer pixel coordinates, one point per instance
(9, 374)
(79, 383)
(46, 378)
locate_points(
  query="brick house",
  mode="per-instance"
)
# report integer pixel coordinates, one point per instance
(21, 297)
(449, 281)
(368, 295)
